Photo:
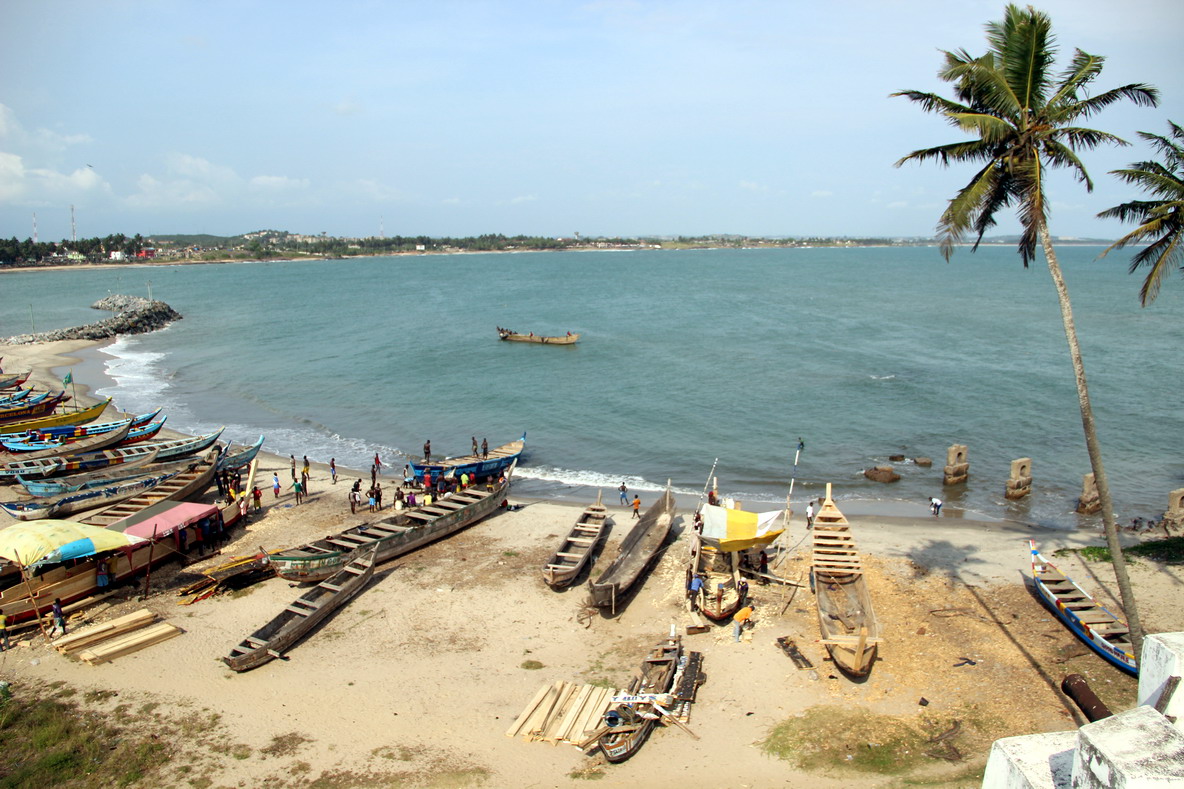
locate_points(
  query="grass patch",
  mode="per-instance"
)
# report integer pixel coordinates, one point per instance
(284, 744)
(1169, 550)
(509, 554)
(828, 738)
(531, 665)
(240, 751)
(589, 772)
(99, 695)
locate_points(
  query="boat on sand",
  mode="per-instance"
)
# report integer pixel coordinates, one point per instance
(637, 551)
(846, 618)
(577, 547)
(631, 718)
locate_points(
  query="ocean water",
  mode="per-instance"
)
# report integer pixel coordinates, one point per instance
(686, 357)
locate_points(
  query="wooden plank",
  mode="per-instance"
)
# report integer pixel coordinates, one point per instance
(145, 638)
(573, 712)
(541, 712)
(534, 702)
(84, 638)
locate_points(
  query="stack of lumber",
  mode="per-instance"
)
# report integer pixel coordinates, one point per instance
(563, 712)
(116, 638)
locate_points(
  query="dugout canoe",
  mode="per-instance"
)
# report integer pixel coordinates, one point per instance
(74, 431)
(24, 412)
(633, 714)
(132, 467)
(306, 612)
(476, 466)
(402, 532)
(64, 504)
(10, 380)
(720, 597)
(74, 446)
(236, 460)
(846, 617)
(55, 420)
(1099, 628)
(509, 336)
(190, 483)
(637, 552)
(577, 547)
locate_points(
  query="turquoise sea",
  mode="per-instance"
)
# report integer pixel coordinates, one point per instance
(686, 357)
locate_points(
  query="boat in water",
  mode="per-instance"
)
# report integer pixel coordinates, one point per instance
(541, 339)
(477, 466)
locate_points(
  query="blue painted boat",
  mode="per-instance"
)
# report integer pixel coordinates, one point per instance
(479, 466)
(235, 460)
(75, 431)
(1100, 629)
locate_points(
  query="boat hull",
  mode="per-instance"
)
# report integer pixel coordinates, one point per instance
(637, 552)
(573, 554)
(501, 458)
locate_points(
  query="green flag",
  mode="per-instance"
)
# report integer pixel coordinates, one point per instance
(69, 379)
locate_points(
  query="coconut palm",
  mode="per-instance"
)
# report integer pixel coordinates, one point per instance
(1022, 115)
(1161, 221)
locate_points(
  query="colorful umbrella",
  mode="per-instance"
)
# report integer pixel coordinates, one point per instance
(47, 541)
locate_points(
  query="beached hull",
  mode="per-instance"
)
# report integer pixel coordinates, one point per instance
(75, 431)
(233, 511)
(20, 413)
(569, 339)
(30, 450)
(637, 552)
(83, 500)
(56, 420)
(499, 459)
(55, 487)
(305, 613)
(577, 547)
(1100, 629)
(190, 483)
(657, 676)
(231, 461)
(720, 599)
(394, 536)
(846, 617)
(9, 380)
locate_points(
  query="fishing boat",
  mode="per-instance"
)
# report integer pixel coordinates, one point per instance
(74, 446)
(190, 483)
(55, 420)
(62, 465)
(509, 336)
(633, 714)
(577, 547)
(477, 466)
(234, 460)
(23, 411)
(10, 380)
(394, 536)
(70, 502)
(306, 612)
(234, 509)
(74, 431)
(1101, 630)
(42, 488)
(16, 395)
(846, 618)
(721, 595)
(639, 548)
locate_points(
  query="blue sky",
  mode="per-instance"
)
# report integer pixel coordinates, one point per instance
(549, 118)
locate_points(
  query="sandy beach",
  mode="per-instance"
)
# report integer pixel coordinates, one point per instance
(415, 682)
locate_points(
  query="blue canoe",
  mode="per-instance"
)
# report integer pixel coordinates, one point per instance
(498, 460)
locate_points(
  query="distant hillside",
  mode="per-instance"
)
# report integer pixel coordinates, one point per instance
(196, 240)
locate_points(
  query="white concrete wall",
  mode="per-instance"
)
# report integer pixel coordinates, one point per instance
(1136, 749)
(1163, 657)
(1034, 761)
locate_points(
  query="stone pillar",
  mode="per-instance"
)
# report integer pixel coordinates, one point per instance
(1175, 514)
(957, 469)
(1089, 503)
(1136, 748)
(1162, 659)
(1019, 484)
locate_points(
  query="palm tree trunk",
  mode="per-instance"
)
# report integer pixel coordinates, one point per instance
(1092, 447)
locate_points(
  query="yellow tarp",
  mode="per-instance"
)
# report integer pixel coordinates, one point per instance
(45, 541)
(738, 530)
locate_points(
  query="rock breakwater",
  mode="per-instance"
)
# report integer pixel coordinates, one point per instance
(133, 315)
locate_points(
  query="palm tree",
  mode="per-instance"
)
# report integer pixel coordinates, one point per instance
(1022, 117)
(1160, 221)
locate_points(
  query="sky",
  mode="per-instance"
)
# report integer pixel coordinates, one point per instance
(613, 118)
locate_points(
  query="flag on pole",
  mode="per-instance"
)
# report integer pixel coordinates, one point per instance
(69, 379)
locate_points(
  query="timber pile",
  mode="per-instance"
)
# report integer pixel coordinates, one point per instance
(116, 638)
(239, 573)
(563, 712)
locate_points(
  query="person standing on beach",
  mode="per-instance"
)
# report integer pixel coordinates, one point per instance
(377, 464)
(101, 576)
(293, 457)
(333, 469)
(4, 645)
(257, 495)
(304, 480)
(299, 488)
(307, 468)
(810, 514)
(624, 491)
(935, 506)
(59, 618)
(484, 448)
(427, 451)
(275, 484)
(637, 506)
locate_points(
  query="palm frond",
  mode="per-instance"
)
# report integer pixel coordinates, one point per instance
(1088, 139)
(1083, 69)
(931, 102)
(1059, 155)
(1140, 94)
(1137, 211)
(966, 151)
(961, 213)
(1160, 257)
(990, 128)
(1026, 49)
(1154, 178)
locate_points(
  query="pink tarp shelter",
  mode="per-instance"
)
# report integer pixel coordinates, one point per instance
(166, 521)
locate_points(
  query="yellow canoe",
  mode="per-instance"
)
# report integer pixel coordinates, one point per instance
(56, 420)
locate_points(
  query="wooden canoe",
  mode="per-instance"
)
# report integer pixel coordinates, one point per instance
(577, 547)
(235, 460)
(567, 339)
(56, 420)
(720, 597)
(133, 467)
(1100, 629)
(30, 450)
(478, 466)
(306, 612)
(61, 465)
(846, 618)
(191, 482)
(64, 504)
(21, 412)
(393, 536)
(631, 718)
(74, 431)
(8, 380)
(637, 552)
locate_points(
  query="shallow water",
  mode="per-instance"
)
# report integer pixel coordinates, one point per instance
(686, 357)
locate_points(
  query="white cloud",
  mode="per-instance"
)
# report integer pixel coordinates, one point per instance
(27, 176)
(277, 184)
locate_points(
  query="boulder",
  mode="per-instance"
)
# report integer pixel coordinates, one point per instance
(881, 474)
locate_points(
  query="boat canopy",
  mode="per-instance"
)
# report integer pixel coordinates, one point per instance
(46, 541)
(738, 530)
(164, 521)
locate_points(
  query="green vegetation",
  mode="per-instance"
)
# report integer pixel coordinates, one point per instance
(1169, 551)
(532, 665)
